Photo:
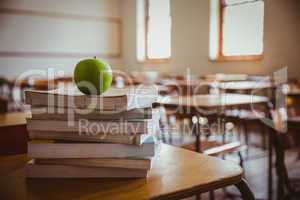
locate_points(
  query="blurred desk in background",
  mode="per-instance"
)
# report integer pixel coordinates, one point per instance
(13, 133)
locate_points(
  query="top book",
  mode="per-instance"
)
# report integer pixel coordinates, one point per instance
(115, 99)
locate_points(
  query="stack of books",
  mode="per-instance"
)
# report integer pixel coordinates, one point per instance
(73, 135)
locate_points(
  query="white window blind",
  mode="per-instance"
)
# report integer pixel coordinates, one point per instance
(243, 28)
(159, 29)
(153, 29)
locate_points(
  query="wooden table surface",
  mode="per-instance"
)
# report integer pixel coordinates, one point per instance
(13, 119)
(181, 83)
(245, 85)
(226, 77)
(210, 100)
(176, 173)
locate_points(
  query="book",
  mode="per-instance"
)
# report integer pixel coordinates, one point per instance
(148, 126)
(126, 163)
(55, 149)
(33, 170)
(137, 139)
(55, 113)
(115, 99)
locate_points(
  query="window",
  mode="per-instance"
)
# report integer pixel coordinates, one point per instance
(153, 30)
(236, 29)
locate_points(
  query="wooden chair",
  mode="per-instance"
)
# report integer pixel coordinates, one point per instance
(246, 118)
(217, 144)
(210, 144)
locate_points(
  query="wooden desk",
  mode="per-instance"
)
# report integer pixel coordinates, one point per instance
(204, 103)
(186, 87)
(13, 119)
(171, 82)
(245, 85)
(210, 105)
(13, 133)
(212, 101)
(176, 173)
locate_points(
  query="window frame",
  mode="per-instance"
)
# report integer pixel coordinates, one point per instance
(146, 27)
(220, 56)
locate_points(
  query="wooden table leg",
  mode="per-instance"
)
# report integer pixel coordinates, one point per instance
(270, 167)
(198, 142)
(245, 191)
(198, 137)
(211, 195)
(198, 197)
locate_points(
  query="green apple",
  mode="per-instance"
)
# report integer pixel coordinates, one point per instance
(92, 76)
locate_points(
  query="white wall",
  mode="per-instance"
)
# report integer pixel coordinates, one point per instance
(190, 36)
(37, 34)
(190, 39)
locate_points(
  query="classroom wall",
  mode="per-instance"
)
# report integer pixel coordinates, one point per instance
(37, 34)
(190, 40)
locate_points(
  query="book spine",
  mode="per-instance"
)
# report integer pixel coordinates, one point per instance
(79, 102)
(58, 150)
(63, 114)
(86, 126)
(74, 136)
